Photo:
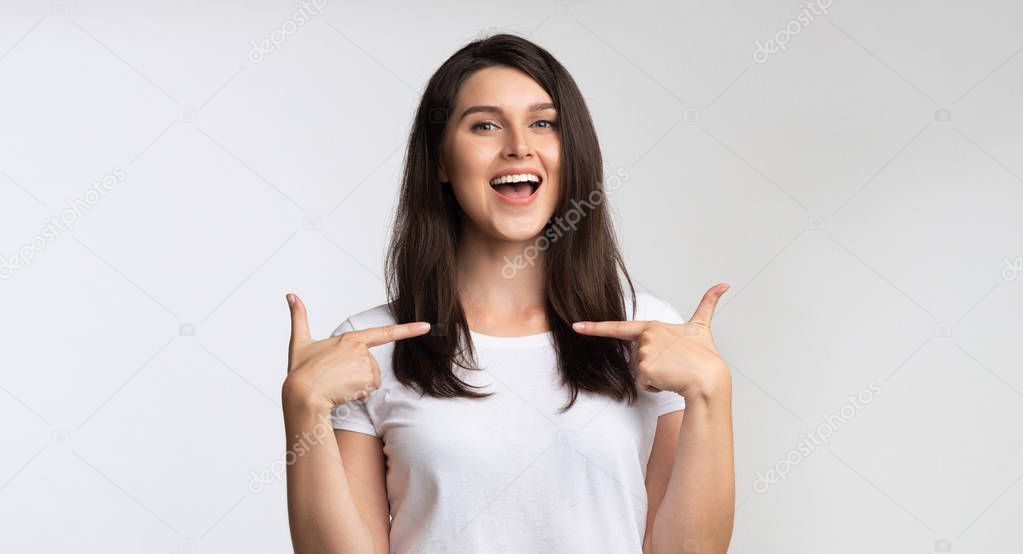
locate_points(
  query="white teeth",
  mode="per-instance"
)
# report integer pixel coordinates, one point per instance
(519, 178)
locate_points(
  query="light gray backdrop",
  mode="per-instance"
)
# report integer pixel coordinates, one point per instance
(855, 175)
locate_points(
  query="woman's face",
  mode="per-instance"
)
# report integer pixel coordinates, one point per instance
(503, 124)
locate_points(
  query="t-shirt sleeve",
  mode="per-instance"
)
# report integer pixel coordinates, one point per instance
(352, 415)
(668, 401)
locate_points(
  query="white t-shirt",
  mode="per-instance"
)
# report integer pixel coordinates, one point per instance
(508, 473)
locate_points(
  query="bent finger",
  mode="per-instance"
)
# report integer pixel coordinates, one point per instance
(299, 318)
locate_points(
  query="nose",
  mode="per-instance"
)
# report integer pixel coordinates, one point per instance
(517, 146)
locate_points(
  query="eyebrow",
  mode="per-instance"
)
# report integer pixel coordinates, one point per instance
(494, 109)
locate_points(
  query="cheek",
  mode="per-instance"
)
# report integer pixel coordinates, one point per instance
(468, 160)
(550, 153)
(550, 157)
(467, 170)
(469, 196)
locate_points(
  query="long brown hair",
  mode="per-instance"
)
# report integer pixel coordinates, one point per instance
(582, 265)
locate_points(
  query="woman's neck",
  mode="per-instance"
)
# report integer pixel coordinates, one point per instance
(501, 285)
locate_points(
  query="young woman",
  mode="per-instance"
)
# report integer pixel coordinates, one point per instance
(515, 394)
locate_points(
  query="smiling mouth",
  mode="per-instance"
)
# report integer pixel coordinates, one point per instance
(516, 186)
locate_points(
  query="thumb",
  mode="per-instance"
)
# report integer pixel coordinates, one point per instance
(299, 319)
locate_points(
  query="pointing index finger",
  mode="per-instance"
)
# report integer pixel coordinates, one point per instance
(375, 336)
(629, 330)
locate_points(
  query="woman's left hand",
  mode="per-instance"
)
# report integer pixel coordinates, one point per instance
(679, 357)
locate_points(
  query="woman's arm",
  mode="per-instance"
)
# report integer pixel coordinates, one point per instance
(658, 468)
(334, 505)
(696, 513)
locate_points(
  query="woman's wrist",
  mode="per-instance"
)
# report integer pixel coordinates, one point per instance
(298, 399)
(715, 387)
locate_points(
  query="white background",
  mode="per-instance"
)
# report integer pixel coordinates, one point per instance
(861, 191)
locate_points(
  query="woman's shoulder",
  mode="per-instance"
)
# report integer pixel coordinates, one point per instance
(376, 316)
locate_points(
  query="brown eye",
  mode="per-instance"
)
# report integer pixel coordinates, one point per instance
(480, 124)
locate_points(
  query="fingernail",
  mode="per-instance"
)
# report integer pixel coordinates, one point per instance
(423, 327)
(290, 298)
(578, 326)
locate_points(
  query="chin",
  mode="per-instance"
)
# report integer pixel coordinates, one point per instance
(518, 231)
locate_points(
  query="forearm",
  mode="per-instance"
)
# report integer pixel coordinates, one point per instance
(697, 511)
(322, 512)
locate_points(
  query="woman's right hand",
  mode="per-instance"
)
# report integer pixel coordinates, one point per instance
(323, 373)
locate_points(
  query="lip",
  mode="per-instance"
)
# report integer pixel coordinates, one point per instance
(517, 171)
